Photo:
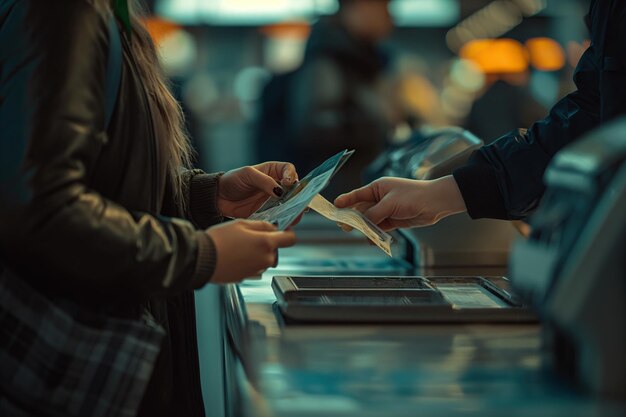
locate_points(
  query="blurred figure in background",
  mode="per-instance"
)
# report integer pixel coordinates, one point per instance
(334, 100)
(508, 103)
(504, 180)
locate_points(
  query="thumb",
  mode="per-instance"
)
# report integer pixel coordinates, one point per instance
(259, 226)
(283, 239)
(379, 212)
(357, 196)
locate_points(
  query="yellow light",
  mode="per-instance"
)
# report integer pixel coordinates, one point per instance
(496, 56)
(545, 54)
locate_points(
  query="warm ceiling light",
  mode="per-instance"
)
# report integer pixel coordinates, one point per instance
(496, 56)
(545, 54)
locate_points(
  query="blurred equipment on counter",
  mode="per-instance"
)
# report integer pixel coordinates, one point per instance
(456, 240)
(426, 156)
(407, 299)
(573, 266)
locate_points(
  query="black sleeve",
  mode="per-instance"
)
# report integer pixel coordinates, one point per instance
(201, 198)
(504, 180)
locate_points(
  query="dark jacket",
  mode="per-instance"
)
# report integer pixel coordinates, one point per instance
(89, 214)
(334, 103)
(505, 179)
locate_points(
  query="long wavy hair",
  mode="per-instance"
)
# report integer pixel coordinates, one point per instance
(177, 149)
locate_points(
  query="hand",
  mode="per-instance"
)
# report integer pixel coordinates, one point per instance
(397, 202)
(246, 248)
(242, 191)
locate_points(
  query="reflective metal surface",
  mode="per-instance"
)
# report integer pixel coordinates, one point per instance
(382, 370)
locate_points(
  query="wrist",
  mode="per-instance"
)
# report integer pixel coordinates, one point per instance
(204, 195)
(447, 197)
(206, 260)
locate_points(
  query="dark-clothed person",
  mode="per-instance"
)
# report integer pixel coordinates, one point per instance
(505, 179)
(333, 101)
(110, 218)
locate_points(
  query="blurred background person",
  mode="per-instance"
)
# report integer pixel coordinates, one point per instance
(507, 102)
(505, 180)
(449, 54)
(334, 100)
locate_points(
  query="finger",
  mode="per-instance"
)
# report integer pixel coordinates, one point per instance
(263, 182)
(363, 206)
(357, 196)
(282, 239)
(283, 172)
(258, 226)
(379, 212)
(289, 174)
(387, 225)
(344, 227)
(392, 224)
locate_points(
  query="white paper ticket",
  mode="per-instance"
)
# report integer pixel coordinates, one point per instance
(353, 219)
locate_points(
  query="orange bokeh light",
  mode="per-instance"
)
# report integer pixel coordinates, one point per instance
(294, 30)
(545, 54)
(496, 56)
(160, 29)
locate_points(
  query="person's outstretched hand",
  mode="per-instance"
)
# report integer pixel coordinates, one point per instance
(242, 191)
(246, 248)
(394, 203)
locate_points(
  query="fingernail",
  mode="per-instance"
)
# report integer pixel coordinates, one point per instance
(278, 191)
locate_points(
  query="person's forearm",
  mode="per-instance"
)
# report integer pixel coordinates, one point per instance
(202, 191)
(504, 180)
(447, 197)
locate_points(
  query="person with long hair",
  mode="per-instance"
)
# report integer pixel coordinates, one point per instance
(115, 219)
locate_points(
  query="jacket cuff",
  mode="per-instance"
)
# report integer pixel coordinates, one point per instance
(206, 261)
(478, 184)
(203, 200)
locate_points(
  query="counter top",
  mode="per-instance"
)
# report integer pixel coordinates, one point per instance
(386, 370)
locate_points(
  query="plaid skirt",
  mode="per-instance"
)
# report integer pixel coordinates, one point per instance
(58, 361)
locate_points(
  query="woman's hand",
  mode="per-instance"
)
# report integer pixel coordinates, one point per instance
(246, 248)
(397, 202)
(242, 191)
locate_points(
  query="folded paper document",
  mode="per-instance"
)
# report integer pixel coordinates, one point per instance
(284, 210)
(354, 219)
